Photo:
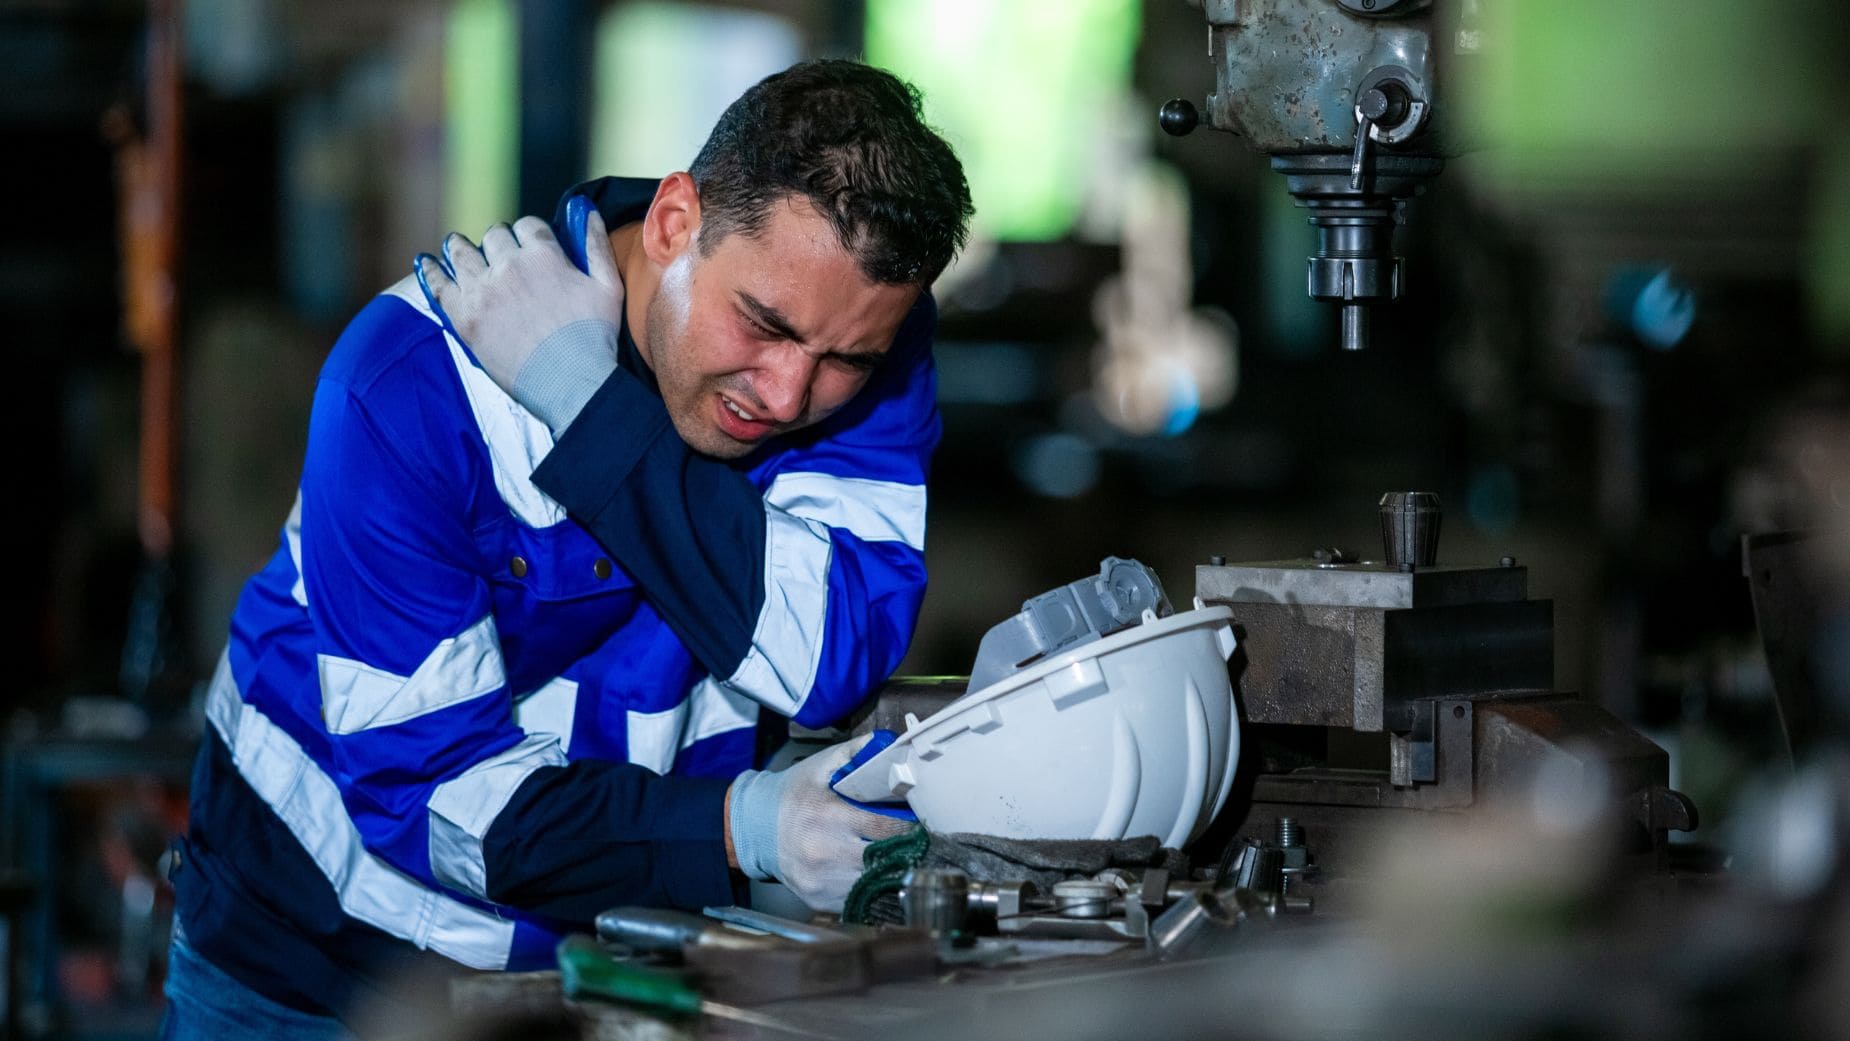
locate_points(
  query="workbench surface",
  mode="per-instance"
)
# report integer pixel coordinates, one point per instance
(885, 1010)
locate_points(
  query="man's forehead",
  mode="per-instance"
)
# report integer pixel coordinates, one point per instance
(789, 222)
(792, 229)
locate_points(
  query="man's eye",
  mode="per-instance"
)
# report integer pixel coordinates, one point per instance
(859, 362)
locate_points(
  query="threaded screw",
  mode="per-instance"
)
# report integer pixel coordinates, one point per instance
(1289, 836)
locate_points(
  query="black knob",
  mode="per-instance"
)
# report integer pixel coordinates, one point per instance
(1386, 104)
(1178, 117)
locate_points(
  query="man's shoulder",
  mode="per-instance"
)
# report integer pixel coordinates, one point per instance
(394, 337)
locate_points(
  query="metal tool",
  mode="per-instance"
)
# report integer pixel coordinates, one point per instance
(1261, 870)
(995, 902)
(799, 932)
(592, 971)
(1084, 898)
(745, 967)
(777, 959)
(1114, 905)
(1410, 528)
(937, 900)
(660, 930)
(1177, 929)
(589, 971)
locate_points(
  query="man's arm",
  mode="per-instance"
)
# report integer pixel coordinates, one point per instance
(803, 597)
(434, 772)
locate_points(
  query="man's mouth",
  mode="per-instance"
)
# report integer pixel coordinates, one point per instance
(741, 423)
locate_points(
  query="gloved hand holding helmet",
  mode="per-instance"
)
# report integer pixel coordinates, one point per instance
(543, 327)
(791, 826)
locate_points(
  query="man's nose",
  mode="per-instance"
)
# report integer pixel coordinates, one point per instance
(783, 386)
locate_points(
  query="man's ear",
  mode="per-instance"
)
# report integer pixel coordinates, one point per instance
(673, 220)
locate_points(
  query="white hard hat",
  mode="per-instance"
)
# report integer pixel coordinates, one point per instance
(1132, 734)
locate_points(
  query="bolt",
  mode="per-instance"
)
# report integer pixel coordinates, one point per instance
(1508, 562)
(1217, 560)
(1289, 835)
(1374, 104)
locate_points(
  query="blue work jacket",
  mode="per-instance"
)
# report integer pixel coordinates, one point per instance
(489, 685)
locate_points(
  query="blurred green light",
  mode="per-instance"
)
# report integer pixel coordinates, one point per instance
(665, 73)
(1829, 267)
(1020, 88)
(1640, 85)
(482, 115)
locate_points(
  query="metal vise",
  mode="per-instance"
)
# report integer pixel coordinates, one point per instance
(1452, 665)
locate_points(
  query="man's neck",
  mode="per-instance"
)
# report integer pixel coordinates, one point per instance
(639, 283)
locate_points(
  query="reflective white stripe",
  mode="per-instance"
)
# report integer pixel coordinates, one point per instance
(655, 737)
(367, 887)
(550, 710)
(463, 808)
(876, 511)
(780, 668)
(710, 709)
(292, 534)
(517, 440)
(714, 710)
(356, 696)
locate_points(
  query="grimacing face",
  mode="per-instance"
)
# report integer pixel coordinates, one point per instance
(767, 333)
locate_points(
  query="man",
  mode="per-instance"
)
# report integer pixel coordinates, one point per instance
(506, 668)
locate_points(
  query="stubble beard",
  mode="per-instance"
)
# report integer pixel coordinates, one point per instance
(668, 314)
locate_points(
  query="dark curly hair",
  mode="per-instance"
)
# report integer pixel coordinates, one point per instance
(850, 138)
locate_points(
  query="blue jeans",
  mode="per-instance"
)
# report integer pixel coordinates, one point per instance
(204, 1004)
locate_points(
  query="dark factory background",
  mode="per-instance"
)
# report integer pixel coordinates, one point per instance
(1621, 347)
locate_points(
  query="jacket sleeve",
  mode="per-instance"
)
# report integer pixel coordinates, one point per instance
(432, 768)
(803, 596)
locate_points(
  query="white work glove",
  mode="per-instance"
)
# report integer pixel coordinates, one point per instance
(792, 827)
(543, 330)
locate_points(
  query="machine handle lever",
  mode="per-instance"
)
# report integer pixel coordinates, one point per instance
(1387, 105)
(1363, 126)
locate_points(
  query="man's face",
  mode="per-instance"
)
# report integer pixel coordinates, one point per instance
(767, 333)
